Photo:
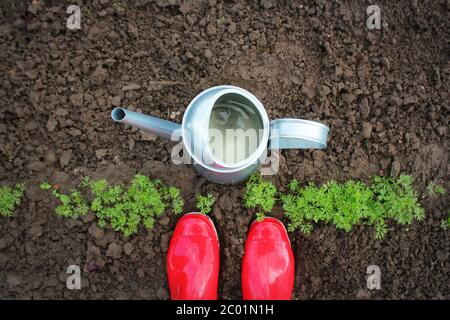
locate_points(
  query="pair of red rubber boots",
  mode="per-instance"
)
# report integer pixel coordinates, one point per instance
(193, 261)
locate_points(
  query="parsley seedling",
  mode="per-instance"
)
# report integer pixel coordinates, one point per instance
(347, 204)
(434, 189)
(445, 224)
(123, 209)
(260, 195)
(72, 205)
(205, 203)
(10, 198)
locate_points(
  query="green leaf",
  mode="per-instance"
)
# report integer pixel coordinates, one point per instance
(260, 216)
(260, 194)
(10, 198)
(45, 185)
(205, 203)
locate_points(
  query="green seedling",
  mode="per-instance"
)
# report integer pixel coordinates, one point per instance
(260, 195)
(123, 209)
(143, 201)
(205, 203)
(434, 189)
(173, 195)
(260, 216)
(10, 198)
(347, 204)
(445, 224)
(73, 205)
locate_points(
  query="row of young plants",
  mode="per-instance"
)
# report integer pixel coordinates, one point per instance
(341, 204)
(124, 209)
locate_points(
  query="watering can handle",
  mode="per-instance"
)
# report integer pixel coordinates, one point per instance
(297, 134)
(162, 128)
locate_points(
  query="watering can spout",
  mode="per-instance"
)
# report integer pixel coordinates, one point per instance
(160, 127)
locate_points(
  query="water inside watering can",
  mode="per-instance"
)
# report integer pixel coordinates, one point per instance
(235, 128)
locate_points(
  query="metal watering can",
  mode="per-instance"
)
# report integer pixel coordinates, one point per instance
(227, 132)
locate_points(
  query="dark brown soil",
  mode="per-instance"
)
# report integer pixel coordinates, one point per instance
(384, 93)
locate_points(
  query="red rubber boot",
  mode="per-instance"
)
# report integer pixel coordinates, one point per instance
(193, 259)
(268, 264)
